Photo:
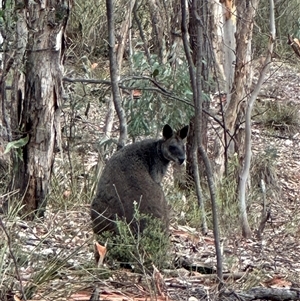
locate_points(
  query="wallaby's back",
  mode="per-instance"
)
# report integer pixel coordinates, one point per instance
(134, 173)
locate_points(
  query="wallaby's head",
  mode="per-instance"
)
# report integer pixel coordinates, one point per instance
(172, 147)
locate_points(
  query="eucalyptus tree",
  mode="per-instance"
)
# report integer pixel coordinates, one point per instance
(35, 59)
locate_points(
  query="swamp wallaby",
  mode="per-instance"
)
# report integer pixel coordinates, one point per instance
(134, 173)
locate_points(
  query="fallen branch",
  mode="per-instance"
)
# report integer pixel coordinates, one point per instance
(266, 293)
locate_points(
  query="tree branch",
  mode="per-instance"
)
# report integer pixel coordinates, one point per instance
(159, 89)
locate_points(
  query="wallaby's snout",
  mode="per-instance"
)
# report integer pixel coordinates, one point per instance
(181, 160)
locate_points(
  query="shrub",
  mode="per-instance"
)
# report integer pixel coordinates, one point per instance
(137, 249)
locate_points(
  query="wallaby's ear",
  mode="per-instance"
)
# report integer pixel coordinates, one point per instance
(167, 132)
(183, 132)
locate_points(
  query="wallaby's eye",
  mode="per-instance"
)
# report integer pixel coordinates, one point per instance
(172, 148)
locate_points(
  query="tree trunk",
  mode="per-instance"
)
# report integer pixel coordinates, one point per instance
(244, 175)
(38, 99)
(243, 67)
(158, 28)
(229, 19)
(114, 73)
(206, 87)
(6, 65)
(197, 78)
(216, 24)
(236, 48)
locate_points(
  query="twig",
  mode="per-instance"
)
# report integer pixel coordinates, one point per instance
(86, 80)
(13, 258)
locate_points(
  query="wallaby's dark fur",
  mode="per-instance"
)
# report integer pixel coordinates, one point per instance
(134, 173)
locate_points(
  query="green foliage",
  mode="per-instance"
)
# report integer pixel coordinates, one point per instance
(10, 252)
(49, 272)
(152, 110)
(17, 146)
(6, 267)
(135, 248)
(264, 167)
(72, 184)
(255, 278)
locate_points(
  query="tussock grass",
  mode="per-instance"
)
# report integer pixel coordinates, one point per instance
(41, 254)
(9, 264)
(280, 117)
(185, 208)
(37, 255)
(228, 198)
(264, 168)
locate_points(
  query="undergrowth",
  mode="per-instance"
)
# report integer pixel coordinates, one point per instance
(228, 198)
(186, 210)
(261, 187)
(137, 250)
(282, 118)
(264, 173)
(37, 255)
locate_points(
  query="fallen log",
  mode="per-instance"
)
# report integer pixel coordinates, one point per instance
(265, 293)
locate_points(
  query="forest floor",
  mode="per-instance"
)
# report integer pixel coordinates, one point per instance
(57, 253)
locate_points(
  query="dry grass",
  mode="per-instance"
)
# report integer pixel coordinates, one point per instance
(282, 118)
